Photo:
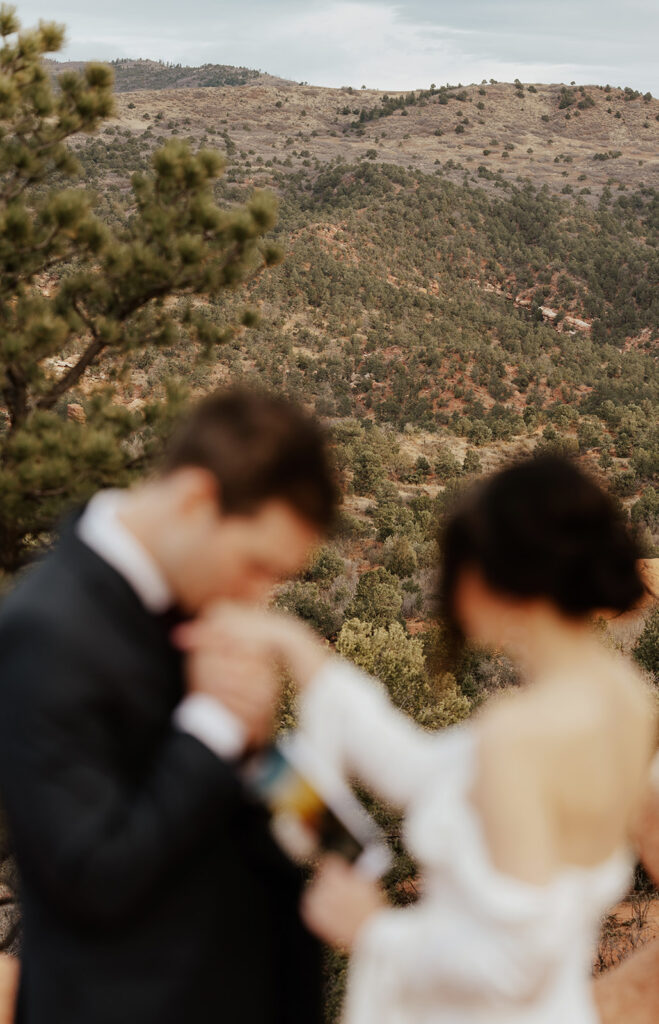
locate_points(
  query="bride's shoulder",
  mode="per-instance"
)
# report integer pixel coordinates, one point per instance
(574, 717)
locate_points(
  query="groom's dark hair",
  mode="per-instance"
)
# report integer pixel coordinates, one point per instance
(259, 447)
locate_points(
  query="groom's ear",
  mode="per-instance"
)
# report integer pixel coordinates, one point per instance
(194, 488)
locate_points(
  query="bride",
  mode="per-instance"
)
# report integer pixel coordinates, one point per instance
(519, 820)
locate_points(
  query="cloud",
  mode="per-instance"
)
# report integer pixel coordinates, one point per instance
(377, 44)
(387, 45)
(355, 43)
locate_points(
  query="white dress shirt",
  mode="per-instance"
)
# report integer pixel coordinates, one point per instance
(101, 529)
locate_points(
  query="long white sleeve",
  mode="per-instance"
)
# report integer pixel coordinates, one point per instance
(352, 725)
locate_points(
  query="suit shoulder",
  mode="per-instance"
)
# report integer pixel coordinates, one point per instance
(47, 591)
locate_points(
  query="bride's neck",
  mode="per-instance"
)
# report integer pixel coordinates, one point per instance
(548, 643)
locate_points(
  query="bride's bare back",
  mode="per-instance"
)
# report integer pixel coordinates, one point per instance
(563, 767)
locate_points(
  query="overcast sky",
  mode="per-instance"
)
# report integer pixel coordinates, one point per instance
(382, 44)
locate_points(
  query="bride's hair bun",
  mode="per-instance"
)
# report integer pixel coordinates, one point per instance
(542, 528)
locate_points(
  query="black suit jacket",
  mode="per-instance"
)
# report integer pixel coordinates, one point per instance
(152, 891)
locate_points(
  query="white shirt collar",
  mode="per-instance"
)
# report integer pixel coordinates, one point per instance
(100, 529)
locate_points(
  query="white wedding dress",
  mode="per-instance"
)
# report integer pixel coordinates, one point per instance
(479, 947)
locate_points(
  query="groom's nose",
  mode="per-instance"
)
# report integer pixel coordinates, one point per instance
(256, 588)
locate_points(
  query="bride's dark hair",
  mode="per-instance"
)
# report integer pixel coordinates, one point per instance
(541, 528)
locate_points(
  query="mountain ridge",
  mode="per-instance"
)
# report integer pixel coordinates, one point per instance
(134, 74)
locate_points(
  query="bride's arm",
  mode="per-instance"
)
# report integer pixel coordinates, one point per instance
(346, 715)
(353, 726)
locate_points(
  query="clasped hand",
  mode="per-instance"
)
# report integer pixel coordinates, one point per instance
(235, 653)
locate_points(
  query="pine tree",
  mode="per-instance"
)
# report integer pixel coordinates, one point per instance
(377, 599)
(74, 292)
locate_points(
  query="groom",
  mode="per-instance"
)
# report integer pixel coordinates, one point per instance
(152, 892)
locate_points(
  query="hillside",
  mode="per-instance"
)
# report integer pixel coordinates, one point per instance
(500, 130)
(442, 307)
(132, 75)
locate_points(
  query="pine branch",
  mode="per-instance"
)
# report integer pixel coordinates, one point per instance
(73, 375)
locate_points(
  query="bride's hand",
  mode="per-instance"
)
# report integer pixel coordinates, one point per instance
(339, 902)
(232, 630)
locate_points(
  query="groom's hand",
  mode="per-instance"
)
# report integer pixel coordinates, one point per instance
(244, 683)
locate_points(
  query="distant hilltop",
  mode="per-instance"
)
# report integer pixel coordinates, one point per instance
(141, 74)
(136, 75)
